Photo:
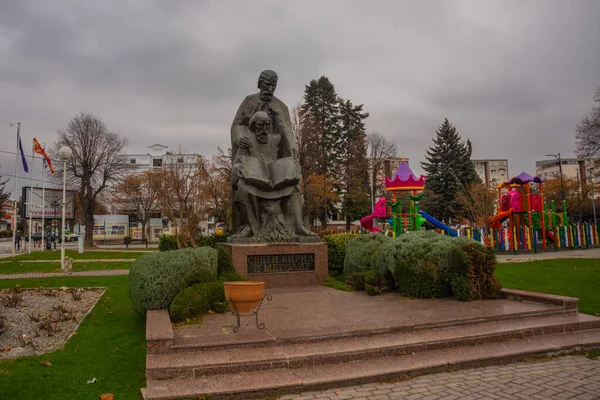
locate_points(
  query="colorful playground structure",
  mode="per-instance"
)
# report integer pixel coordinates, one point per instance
(530, 224)
(522, 222)
(405, 214)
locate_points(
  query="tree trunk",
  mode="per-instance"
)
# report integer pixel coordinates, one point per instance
(348, 222)
(89, 227)
(143, 229)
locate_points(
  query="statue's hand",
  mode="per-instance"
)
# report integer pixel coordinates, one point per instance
(244, 142)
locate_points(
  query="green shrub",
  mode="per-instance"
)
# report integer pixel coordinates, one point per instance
(212, 240)
(356, 281)
(5, 233)
(196, 300)
(361, 250)
(224, 262)
(167, 243)
(430, 265)
(480, 272)
(372, 290)
(336, 249)
(414, 264)
(156, 278)
(373, 277)
(199, 298)
(231, 277)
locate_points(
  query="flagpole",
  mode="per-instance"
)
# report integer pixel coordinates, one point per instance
(30, 204)
(43, 202)
(15, 192)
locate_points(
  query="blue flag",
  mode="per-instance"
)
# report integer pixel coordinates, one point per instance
(22, 154)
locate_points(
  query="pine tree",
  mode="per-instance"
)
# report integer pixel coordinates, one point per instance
(322, 143)
(354, 167)
(449, 171)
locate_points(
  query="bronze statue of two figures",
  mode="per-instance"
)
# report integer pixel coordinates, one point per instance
(265, 176)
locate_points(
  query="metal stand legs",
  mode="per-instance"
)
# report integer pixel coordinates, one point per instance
(235, 312)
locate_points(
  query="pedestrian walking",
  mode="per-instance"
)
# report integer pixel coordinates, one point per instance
(18, 240)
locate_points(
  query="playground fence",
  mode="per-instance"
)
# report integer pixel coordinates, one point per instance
(581, 235)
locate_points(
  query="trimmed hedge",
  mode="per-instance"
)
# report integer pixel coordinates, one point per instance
(198, 299)
(156, 278)
(336, 249)
(361, 251)
(212, 240)
(167, 243)
(430, 265)
(224, 262)
(201, 298)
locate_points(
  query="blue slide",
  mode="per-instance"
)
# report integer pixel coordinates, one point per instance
(438, 224)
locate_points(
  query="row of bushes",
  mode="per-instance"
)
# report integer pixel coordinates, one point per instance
(189, 282)
(423, 265)
(5, 233)
(171, 242)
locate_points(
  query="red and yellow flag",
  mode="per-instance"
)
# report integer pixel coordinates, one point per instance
(37, 147)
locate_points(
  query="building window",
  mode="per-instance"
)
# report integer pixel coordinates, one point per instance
(132, 161)
(179, 160)
(157, 162)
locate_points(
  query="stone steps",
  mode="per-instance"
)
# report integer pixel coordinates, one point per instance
(246, 384)
(427, 337)
(335, 350)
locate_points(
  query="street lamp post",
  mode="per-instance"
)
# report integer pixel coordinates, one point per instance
(591, 173)
(65, 154)
(562, 183)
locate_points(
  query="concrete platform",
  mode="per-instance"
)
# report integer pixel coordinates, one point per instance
(317, 337)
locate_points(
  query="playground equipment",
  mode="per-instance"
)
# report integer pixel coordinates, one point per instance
(530, 221)
(405, 211)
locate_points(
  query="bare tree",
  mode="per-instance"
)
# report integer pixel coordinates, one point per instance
(218, 186)
(138, 191)
(380, 149)
(97, 161)
(587, 133)
(181, 186)
(477, 203)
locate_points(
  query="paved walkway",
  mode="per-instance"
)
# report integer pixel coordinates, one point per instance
(507, 257)
(100, 272)
(566, 377)
(75, 261)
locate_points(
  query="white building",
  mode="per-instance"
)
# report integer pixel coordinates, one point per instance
(492, 172)
(572, 168)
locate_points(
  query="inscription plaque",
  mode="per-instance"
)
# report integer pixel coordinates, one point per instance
(270, 263)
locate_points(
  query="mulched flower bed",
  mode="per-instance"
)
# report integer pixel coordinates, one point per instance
(37, 321)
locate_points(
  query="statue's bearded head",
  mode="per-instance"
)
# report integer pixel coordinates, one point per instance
(259, 124)
(267, 83)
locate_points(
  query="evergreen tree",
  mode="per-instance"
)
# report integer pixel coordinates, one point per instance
(449, 172)
(322, 143)
(354, 167)
(4, 194)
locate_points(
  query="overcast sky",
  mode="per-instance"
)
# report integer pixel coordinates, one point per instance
(514, 76)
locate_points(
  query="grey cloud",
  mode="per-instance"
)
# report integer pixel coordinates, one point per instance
(515, 77)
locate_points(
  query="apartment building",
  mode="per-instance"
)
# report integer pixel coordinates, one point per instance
(493, 171)
(573, 168)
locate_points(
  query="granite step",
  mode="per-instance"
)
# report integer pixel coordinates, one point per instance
(266, 338)
(245, 385)
(290, 354)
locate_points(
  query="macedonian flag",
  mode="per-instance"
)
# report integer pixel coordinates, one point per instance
(37, 147)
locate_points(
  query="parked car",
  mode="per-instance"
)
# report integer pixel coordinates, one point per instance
(70, 236)
(49, 235)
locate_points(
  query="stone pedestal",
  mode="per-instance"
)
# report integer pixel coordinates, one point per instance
(281, 264)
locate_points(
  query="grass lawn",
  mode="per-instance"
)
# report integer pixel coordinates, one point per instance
(26, 267)
(575, 277)
(109, 346)
(88, 255)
